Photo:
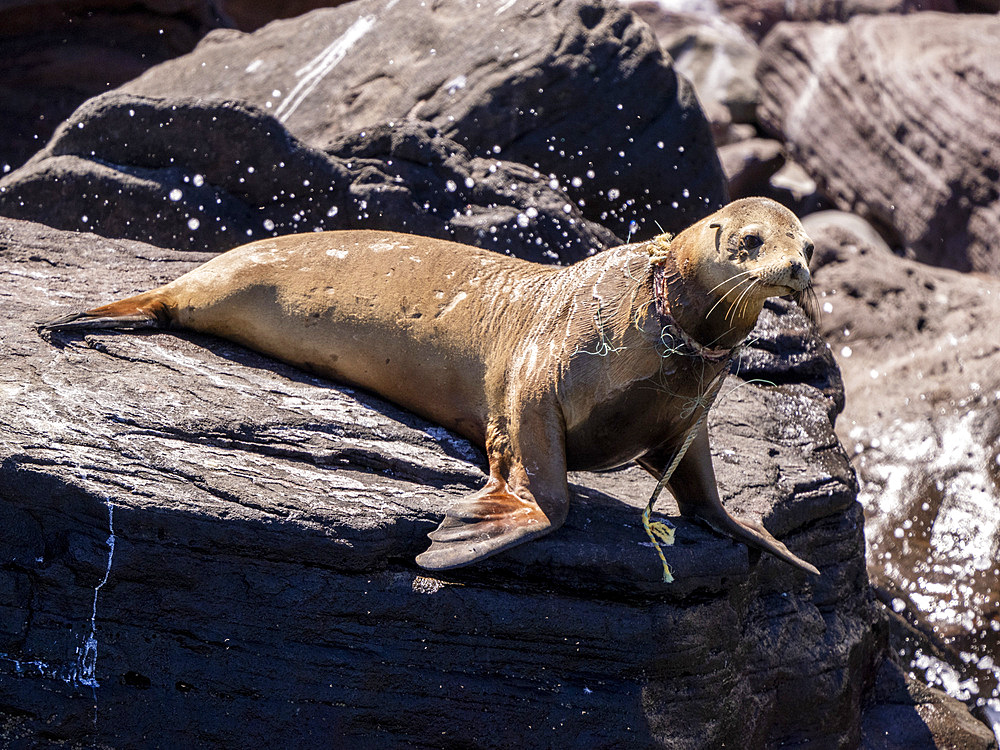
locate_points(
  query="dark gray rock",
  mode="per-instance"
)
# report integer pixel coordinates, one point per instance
(578, 90)
(205, 547)
(210, 176)
(57, 53)
(714, 54)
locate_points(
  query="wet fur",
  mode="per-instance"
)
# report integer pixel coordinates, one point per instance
(547, 368)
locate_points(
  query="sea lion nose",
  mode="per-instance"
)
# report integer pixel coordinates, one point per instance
(799, 273)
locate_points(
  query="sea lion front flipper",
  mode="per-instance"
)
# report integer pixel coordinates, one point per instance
(526, 497)
(481, 525)
(694, 486)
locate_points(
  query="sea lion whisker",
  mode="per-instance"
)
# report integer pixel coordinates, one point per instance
(726, 295)
(743, 295)
(731, 278)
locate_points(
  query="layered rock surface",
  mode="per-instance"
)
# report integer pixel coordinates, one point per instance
(204, 546)
(898, 119)
(193, 529)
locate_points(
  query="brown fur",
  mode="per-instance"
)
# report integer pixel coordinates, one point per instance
(549, 368)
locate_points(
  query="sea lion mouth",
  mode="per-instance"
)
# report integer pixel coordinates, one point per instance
(806, 299)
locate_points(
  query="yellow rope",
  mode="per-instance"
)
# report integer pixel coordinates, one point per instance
(655, 530)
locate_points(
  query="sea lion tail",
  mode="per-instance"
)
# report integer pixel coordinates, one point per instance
(147, 310)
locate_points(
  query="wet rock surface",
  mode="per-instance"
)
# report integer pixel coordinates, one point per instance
(196, 536)
(921, 365)
(912, 149)
(187, 174)
(580, 92)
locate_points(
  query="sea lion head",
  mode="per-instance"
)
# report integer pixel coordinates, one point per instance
(747, 251)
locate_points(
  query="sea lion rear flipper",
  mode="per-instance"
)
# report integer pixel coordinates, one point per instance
(694, 486)
(145, 310)
(481, 525)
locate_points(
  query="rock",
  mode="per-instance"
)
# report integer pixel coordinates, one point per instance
(207, 547)
(750, 164)
(794, 187)
(711, 52)
(913, 148)
(248, 15)
(760, 166)
(910, 715)
(212, 175)
(921, 363)
(758, 17)
(55, 54)
(577, 89)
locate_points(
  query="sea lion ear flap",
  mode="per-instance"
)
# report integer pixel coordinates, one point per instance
(717, 226)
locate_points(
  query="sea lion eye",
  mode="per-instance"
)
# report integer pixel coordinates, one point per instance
(808, 252)
(752, 242)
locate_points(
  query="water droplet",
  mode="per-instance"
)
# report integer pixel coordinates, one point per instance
(176, 194)
(332, 212)
(450, 186)
(193, 223)
(268, 225)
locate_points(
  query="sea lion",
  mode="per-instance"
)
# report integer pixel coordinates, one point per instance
(591, 366)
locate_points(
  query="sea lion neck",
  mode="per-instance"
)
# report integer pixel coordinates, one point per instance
(696, 310)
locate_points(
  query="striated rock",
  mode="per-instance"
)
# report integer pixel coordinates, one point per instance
(192, 175)
(758, 17)
(577, 89)
(921, 363)
(203, 546)
(897, 120)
